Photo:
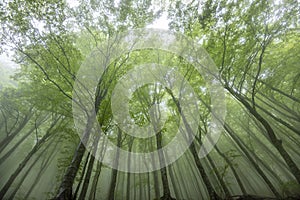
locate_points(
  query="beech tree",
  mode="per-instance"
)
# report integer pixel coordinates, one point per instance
(255, 47)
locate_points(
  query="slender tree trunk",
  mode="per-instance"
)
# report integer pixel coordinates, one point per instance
(267, 151)
(163, 170)
(174, 183)
(26, 159)
(9, 152)
(155, 173)
(41, 171)
(95, 181)
(156, 185)
(24, 137)
(225, 189)
(30, 168)
(279, 91)
(65, 189)
(87, 178)
(149, 185)
(240, 183)
(82, 175)
(90, 168)
(279, 107)
(92, 195)
(287, 125)
(111, 194)
(10, 137)
(274, 140)
(211, 192)
(255, 165)
(128, 166)
(223, 185)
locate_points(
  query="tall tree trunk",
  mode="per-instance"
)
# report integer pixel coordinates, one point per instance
(255, 165)
(149, 185)
(156, 185)
(92, 195)
(272, 137)
(90, 168)
(65, 189)
(82, 175)
(26, 159)
(41, 171)
(278, 106)
(87, 178)
(163, 170)
(24, 137)
(225, 189)
(9, 152)
(95, 181)
(173, 181)
(31, 166)
(222, 183)
(284, 123)
(155, 173)
(11, 136)
(111, 194)
(240, 183)
(211, 192)
(128, 166)
(279, 91)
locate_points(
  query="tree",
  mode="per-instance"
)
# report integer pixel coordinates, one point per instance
(255, 45)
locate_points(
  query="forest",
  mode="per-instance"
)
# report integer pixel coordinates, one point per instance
(98, 103)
